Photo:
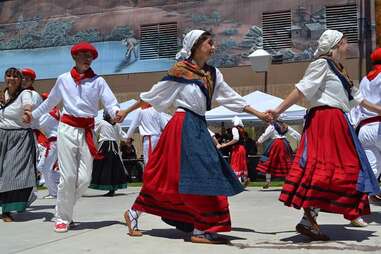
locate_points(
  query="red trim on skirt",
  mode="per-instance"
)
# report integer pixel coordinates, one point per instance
(329, 179)
(160, 196)
(238, 160)
(279, 160)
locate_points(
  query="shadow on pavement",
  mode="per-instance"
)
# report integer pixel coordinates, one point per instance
(171, 233)
(249, 230)
(29, 216)
(336, 233)
(94, 224)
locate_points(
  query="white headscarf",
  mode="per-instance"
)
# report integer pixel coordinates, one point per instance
(237, 121)
(188, 42)
(327, 41)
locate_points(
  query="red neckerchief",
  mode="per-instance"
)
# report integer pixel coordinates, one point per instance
(373, 73)
(81, 76)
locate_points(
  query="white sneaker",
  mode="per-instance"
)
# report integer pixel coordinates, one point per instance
(359, 222)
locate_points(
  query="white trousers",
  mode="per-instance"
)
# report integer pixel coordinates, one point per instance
(45, 165)
(76, 164)
(154, 140)
(370, 138)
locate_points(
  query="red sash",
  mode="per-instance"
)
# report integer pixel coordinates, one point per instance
(88, 125)
(373, 119)
(50, 140)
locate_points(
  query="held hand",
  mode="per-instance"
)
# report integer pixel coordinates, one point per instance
(219, 146)
(266, 117)
(27, 116)
(273, 113)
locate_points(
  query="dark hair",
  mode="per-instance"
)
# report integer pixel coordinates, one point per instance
(106, 116)
(206, 35)
(13, 72)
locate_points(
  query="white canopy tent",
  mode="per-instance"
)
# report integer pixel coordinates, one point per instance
(260, 101)
(124, 105)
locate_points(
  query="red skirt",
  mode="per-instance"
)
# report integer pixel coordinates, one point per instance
(160, 192)
(328, 179)
(279, 159)
(238, 160)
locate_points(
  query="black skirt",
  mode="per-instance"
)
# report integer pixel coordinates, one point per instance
(109, 173)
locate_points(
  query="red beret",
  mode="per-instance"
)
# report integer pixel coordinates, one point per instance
(82, 47)
(29, 72)
(376, 55)
(44, 96)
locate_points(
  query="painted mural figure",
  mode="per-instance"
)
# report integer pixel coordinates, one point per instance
(330, 171)
(132, 48)
(178, 185)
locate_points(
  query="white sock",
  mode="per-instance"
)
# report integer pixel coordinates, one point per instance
(268, 177)
(198, 232)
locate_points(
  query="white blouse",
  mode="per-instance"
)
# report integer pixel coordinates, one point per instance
(321, 86)
(109, 132)
(167, 93)
(149, 121)
(11, 116)
(79, 100)
(271, 133)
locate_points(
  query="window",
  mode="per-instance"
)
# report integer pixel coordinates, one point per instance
(343, 18)
(276, 30)
(158, 41)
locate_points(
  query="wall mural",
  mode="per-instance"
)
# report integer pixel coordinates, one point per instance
(39, 33)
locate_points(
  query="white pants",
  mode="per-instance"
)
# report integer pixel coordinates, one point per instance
(76, 164)
(45, 165)
(370, 138)
(154, 140)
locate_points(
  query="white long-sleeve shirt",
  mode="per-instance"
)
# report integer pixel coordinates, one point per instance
(321, 86)
(49, 125)
(167, 93)
(109, 132)
(79, 100)
(271, 133)
(149, 121)
(371, 90)
(11, 116)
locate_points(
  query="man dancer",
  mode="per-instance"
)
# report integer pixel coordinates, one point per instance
(80, 91)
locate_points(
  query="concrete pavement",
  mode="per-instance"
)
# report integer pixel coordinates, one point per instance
(261, 224)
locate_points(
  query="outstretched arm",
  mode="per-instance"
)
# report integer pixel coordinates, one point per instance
(371, 107)
(124, 112)
(291, 99)
(261, 115)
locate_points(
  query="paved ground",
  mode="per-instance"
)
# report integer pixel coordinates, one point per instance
(261, 224)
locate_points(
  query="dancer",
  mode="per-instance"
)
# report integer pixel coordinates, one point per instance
(17, 147)
(186, 180)
(80, 91)
(277, 156)
(48, 123)
(151, 124)
(368, 121)
(109, 172)
(238, 154)
(330, 171)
